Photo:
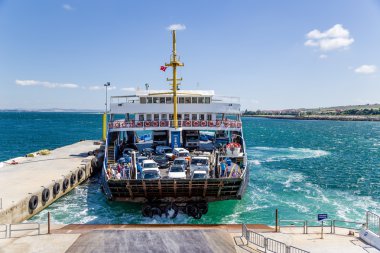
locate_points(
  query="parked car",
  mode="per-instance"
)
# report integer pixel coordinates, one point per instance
(149, 165)
(140, 159)
(148, 152)
(161, 160)
(181, 152)
(151, 174)
(127, 152)
(177, 171)
(199, 174)
(199, 163)
(165, 150)
(181, 161)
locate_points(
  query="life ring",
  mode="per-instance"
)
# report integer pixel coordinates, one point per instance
(147, 211)
(33, 202)
(131, 124)
(203, 123)
(233, 124)
(155, 123)
(139, 124)
(123, 124)
(56, 188)
(210, 123)
(195, 123)
(163, 123)
(65, 184)
(238, 124)
(116, 124)
(226, 124)
(187, 123)
(45, 195)
(218, 123)
(80, 174)
(73, 178)
(147, 123)
(110, 125)
(233, 145)
(171, 211)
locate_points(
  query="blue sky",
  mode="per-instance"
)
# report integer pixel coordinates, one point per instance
(272, 54)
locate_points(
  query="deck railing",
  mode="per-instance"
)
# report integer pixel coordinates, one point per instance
(268, 244)
(332, 224)
(373, 222)
(24, 227)
(214, 124)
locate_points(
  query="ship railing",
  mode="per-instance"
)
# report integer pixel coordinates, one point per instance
(328, 223)
(24, 227)
(373, 222)
(212, 124)
(268, 244)
(226, 99)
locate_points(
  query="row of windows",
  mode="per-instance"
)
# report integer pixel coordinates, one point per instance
(180, 100)
(185, 116)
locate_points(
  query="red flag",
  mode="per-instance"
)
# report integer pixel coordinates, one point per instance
(163, 68)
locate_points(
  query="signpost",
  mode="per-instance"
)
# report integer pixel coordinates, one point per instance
(321, 217)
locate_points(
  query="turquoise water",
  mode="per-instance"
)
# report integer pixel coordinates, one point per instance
(300, 167)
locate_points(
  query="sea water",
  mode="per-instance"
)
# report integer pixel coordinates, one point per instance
(302, 168)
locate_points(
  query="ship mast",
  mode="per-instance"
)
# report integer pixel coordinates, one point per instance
(174, 63)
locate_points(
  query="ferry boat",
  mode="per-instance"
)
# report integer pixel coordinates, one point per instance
(174, 150)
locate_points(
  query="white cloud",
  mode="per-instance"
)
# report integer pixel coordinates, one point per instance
(95, 87)
(366, 69)
(177, 27)
(334, 38)
(67, 7)
(46, 84)
(128, 89)
(322, 56)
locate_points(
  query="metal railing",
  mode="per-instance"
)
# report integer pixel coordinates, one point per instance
(373, 222)
(332, 224)
(4, 230)
(14, 228)
(268, 244)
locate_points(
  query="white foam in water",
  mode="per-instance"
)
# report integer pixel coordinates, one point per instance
(272, 154)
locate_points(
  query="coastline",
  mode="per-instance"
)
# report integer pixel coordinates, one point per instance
(320, 117)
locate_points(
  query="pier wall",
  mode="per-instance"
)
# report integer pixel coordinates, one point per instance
(31, 176)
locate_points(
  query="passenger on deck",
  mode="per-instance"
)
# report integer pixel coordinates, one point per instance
(222, 168)
(118, 175)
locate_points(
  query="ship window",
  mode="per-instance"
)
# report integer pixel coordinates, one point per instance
(170, 116)
(162, 100)
(201, 100)
(141, 117)
(143, 100)
(209, 117)
(194, 100)
(156, 117)
(201, 117)
(219, 116)
(164, 116)
(181, 100)
(194, 116)
(156, 100)
(149, 117)
(186, 116)
(169, 100)
(149, 99)
(207, 100)
(187, 100)
(179, 116)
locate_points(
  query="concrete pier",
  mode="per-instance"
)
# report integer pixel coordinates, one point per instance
(30, 176)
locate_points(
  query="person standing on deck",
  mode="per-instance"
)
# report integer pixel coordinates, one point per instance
(222, 168)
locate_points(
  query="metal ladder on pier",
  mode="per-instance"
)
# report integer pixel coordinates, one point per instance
(111, 154)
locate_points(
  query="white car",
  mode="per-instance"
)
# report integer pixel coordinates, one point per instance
(149, 165)
(199, 163)
(199, 174)
(165, 150)
(177, 171)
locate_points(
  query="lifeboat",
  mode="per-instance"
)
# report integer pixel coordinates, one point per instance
(233, 149)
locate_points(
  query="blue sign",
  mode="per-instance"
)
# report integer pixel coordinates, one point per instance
(322, 216)
(176, 139)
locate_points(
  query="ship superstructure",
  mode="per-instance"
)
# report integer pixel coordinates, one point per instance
(197, 128)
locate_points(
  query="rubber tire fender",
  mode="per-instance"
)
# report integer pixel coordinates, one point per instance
(147, 211)
(65, 184)
(203, 207)
(56, 188)
(45, 195)
(174, 207)
(73, 178)
(156, 211)
(33, 202)
(191, 209)
(80, 174)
